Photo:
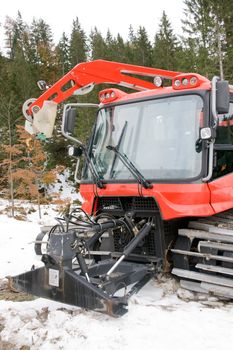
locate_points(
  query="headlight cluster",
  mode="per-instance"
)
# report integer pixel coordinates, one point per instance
(110, 95)
(185, 82)
(107, 96)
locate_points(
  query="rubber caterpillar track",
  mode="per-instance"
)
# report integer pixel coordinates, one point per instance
(203, 255)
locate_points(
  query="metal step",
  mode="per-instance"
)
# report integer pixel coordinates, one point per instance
(213, 268)
(206, 256)
(217, 290)
(197, 276)
(225, 215)
(205, 235)
(210, 228)
(216, 221)
(193, 286)
(214, 245)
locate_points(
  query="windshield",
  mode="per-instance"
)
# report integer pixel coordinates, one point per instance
(158, 137)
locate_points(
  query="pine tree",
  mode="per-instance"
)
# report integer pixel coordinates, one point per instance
(98, 47)
(227, 19)
(25, 168)
(165, 46)
(138, 47)
(15, 34)
(114, 48)
(110, 53)
(44, 54)
(19, 75)
(63, 55)
(131, 46)
(4, 63)
(7, 114)
(199, 25)
(223, 14)
(78, 44)
(143, 49)
(186, 56)
(120, 54)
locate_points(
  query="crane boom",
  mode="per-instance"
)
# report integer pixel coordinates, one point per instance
(82, 78)
(41, 113)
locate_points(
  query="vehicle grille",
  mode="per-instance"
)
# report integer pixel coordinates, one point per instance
(140, 207)
(126, 204)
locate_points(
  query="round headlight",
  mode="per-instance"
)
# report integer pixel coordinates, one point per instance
(177, 82)
(158, 81)
(113, 94)
(107, 95)
(185, 82)
(193, 81)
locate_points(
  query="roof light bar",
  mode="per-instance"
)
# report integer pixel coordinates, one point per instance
(110, 95)
(186, 81)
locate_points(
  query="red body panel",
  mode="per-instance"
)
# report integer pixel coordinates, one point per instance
(222, 193)
(174, 200)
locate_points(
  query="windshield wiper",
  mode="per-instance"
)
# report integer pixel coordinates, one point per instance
(118, 146)
(131, 167)
(94, 172)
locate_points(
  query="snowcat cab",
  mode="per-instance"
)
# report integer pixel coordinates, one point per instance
(156, 183)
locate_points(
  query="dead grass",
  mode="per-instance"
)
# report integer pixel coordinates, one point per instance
(7, 294)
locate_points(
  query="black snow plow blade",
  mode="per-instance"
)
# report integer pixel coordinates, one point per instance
(92, 287)
(67, 286)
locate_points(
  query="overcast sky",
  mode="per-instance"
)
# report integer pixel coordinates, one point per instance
(104, 14)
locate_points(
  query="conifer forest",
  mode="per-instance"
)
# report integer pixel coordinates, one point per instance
(31, 54)
(116, 203)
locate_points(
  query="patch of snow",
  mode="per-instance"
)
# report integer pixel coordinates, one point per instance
(65, 187)
(16, 247)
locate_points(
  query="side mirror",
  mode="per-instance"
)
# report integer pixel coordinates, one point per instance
(222, 97)
(71, 121)
(70, 118)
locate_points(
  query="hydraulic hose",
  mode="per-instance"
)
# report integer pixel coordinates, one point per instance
(100, 229)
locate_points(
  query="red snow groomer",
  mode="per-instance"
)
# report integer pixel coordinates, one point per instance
(157, 186)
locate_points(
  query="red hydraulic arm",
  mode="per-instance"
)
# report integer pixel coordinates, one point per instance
(82, 78)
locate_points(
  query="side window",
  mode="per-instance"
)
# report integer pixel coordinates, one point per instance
(225, 128)
(223, 161)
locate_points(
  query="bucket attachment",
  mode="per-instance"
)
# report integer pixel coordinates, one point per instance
(43, 119)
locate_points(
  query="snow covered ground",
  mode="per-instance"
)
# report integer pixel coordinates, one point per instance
(158, 317)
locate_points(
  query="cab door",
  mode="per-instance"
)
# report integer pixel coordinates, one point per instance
(221, 186)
